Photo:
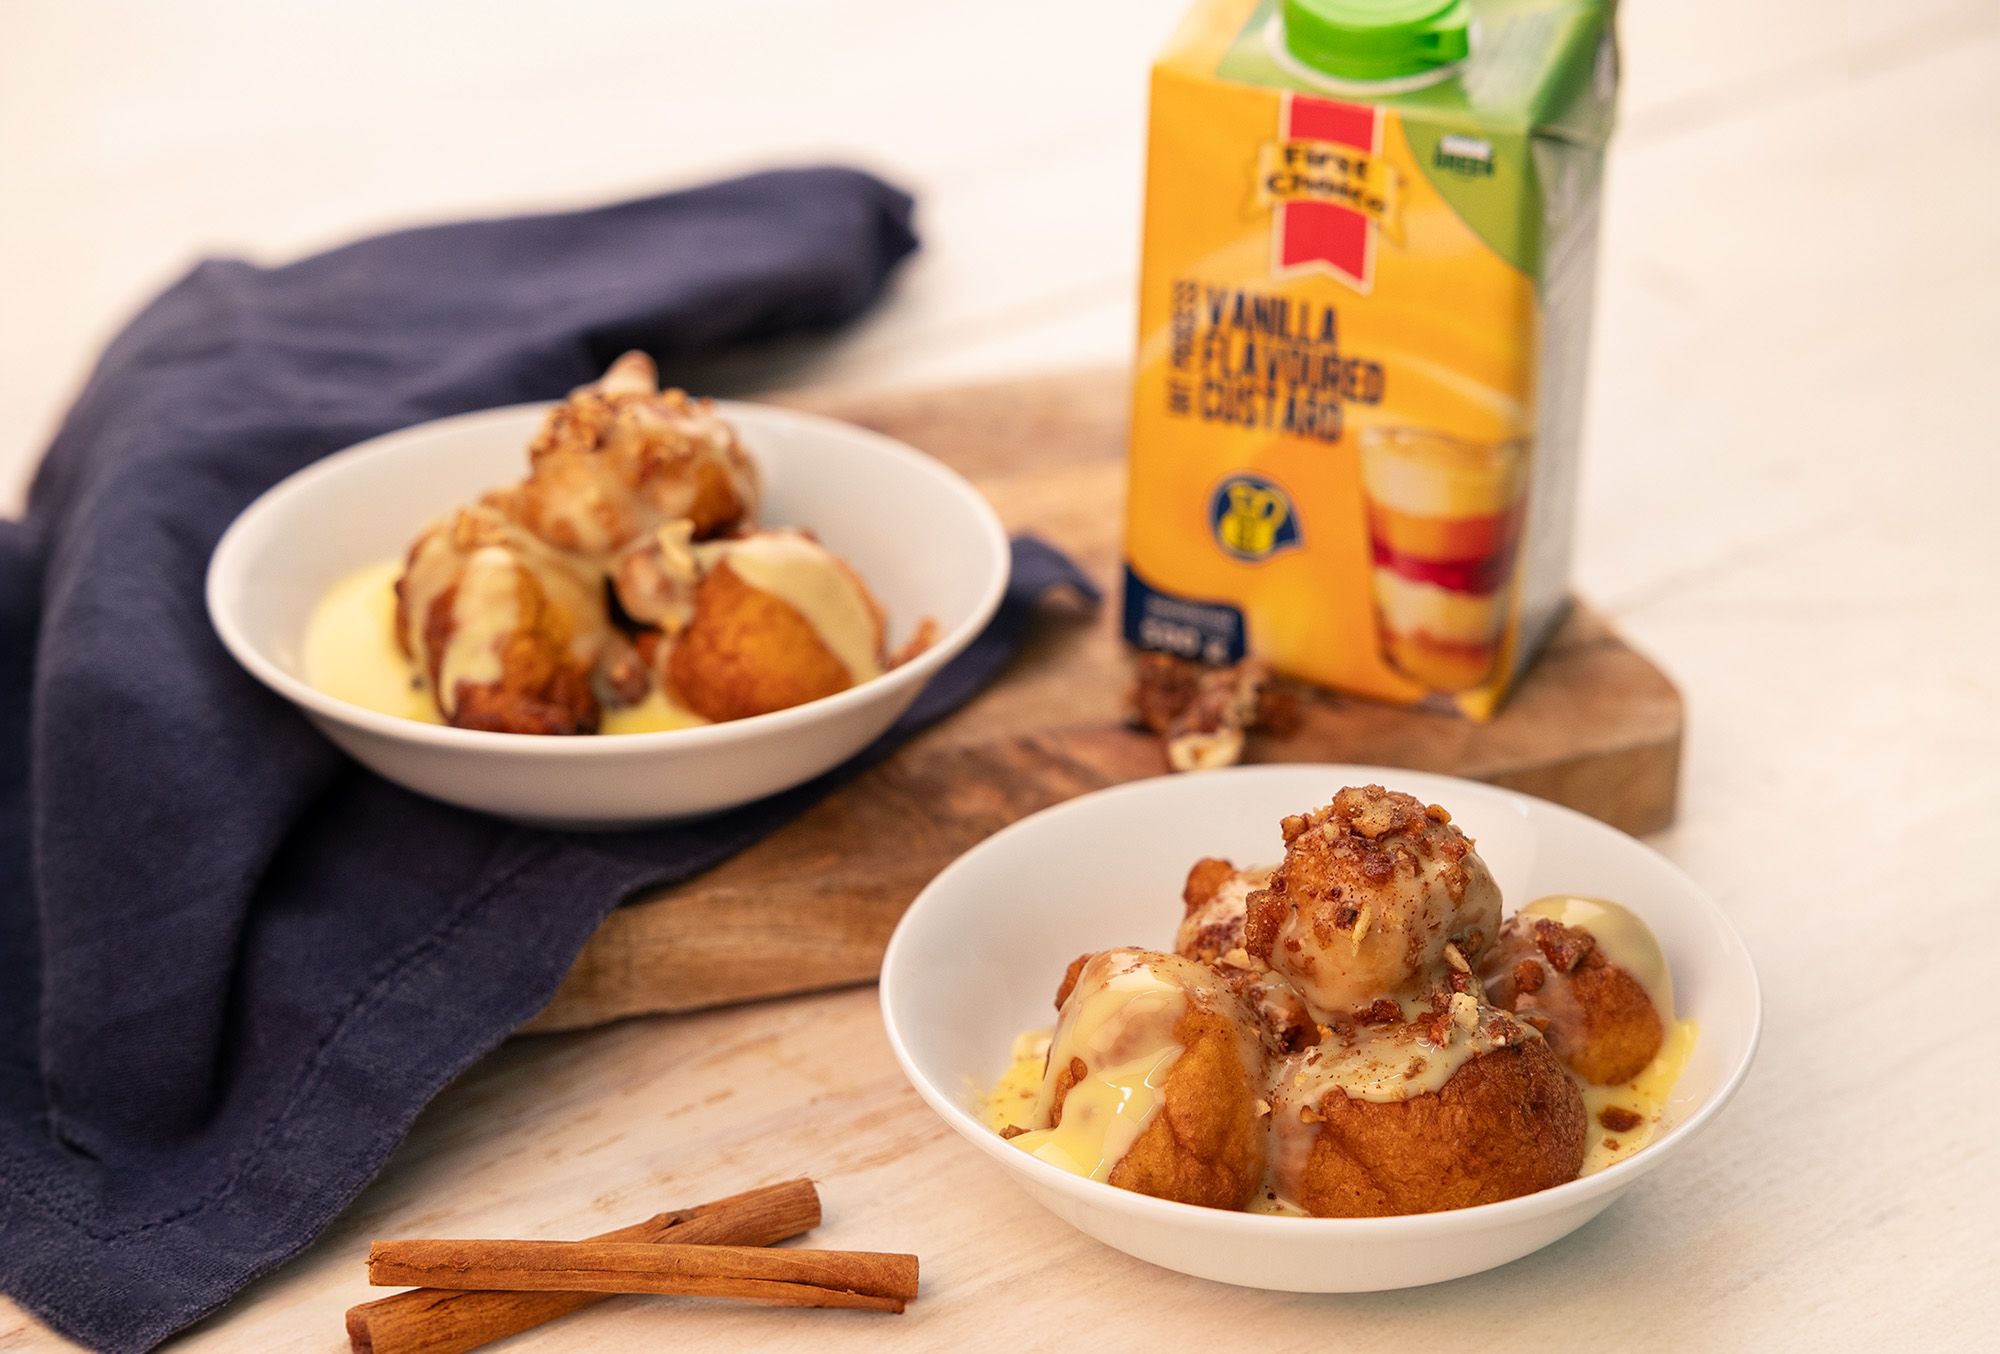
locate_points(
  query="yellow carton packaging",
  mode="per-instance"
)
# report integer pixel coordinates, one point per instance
(1364, 313)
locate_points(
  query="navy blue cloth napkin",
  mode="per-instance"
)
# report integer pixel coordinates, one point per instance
(234, 966)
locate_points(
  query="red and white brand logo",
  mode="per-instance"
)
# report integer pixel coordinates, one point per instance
(1330, 194)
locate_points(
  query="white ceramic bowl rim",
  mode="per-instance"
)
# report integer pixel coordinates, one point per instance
(1610, 1180)
(224, 563)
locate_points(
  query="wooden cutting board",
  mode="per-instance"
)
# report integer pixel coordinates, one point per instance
(1595, 726)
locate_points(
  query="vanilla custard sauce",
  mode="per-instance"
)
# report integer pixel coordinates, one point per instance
(1127, 1023)
(1646, 1095)
(806, 576)
(1012, 1102)
(350, 653)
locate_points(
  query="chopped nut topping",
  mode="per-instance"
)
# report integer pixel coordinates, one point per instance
(1382, 1011)
(1465, 1010)
(1528, 976)
(1618, 1119)
(1201, 712)
(1565, 946)
(1012, 1131)
(1456, 959)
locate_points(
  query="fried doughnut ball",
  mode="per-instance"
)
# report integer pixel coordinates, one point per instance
(1508, 1122)
(541, 688)
(1597, 1014)
(620, 457)
(1215, 900)
(1372, 889)
(511, 636)
(1125, 1014)
(778, 620)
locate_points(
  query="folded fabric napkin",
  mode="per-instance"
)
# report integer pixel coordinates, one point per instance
(233, 966)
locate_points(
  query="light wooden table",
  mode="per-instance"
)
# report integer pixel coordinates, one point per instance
(1790, 500)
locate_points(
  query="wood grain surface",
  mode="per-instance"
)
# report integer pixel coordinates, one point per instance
(1595, 726)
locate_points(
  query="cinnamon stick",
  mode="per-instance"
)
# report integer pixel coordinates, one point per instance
(795, 1278)
(455, 1320)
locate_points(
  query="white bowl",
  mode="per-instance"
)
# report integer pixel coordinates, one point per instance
(925, 541)
(977, 958)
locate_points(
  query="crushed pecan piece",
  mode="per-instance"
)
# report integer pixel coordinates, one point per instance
(1528, 976)
(1565, 946)
(1201, 712)
(1435, 1028)
(1382, 1011)
(1162, 687)
(1618, 1119)
(1465, 1010)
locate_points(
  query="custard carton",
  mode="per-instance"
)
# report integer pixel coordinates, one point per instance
(1363, 321)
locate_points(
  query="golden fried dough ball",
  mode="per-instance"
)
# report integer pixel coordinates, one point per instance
(1507, 1121)
(540, 686)
(1598, 1014)
(777, 620)
(1372, 889)
(1214, 901)
(621, 456)
(1152, 1081)
(1211, 932)
(509, 635)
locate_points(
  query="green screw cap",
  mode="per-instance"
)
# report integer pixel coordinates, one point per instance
(1366, 40)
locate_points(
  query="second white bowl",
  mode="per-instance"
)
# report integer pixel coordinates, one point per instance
(977, 958)
(923, 538)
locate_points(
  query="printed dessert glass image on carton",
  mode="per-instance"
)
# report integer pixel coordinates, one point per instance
(1364, 315)
(1444, 517)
